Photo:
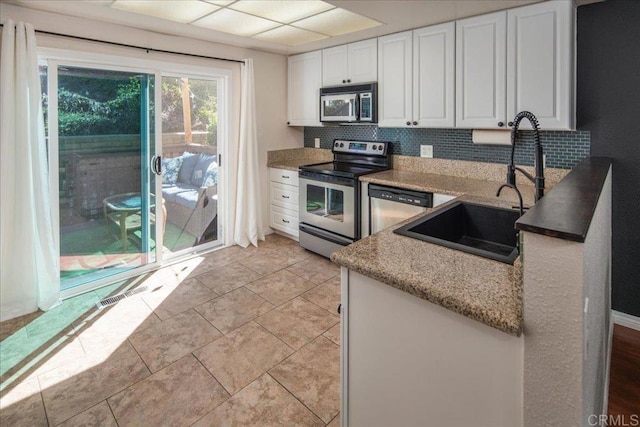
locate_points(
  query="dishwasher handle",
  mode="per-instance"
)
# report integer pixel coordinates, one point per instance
(409, 197)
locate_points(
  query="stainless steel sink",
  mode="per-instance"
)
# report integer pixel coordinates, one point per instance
(486, 231)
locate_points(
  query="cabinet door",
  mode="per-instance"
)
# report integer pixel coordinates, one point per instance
(363, 61)
(285, 196)
(334, 66)
(305, 79)
(481, 71)
(539, 63)
(434, 76)
(394, 79)
(284, 220)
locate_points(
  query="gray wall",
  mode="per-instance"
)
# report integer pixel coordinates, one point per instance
(609, 107)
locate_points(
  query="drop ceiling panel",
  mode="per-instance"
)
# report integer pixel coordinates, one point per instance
(233, 22)
(284, 11)
(290, 36)
(336, 22)
(183, 11)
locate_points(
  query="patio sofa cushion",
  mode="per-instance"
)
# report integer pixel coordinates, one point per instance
(189, 161)
(188, 199)
(170, 169)
(190, 202)
(169, 192)
(200, 170)
(211, 175)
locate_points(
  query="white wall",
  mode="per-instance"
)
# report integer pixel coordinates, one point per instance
(270, 72)
(597, 287)
(553, 331)
(567, 349)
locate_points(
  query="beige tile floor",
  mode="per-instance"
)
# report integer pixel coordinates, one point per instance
(236, 337)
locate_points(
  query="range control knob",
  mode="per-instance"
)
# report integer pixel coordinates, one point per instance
(341, 144)
(336, 144)
(375, 147)
(381, 147)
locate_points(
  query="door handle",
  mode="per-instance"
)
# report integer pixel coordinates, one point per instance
(156, 165)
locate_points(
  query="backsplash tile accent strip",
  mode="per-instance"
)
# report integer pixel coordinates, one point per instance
(564, 149)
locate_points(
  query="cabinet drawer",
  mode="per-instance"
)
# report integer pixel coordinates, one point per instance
(284, 220)
(284, 195)
(284, 176)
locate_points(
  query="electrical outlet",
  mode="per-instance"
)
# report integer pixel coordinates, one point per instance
(316, 142)
(426, 151)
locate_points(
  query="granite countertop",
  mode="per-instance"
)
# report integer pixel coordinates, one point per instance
(482, 289)
(292, 159)
(479, 288)
(292, 164)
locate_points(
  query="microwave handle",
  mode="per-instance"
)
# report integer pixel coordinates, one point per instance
(357, 108)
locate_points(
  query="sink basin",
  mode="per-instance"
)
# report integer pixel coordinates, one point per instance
(486, 231)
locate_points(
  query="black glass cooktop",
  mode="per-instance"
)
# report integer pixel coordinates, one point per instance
(344, 169)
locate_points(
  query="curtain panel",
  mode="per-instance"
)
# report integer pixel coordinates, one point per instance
(248, 216)
(29, 262)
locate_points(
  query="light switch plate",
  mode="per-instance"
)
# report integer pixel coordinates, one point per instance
(316, 142)
(426, 151)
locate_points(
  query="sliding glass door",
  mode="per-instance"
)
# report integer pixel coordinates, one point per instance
(101, 131)
(134, 156)
(190, 170)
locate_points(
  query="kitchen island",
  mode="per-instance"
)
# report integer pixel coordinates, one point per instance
(411, 349)
(433, 336)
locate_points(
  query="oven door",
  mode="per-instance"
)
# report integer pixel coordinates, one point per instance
(339, 108)
(328, 205)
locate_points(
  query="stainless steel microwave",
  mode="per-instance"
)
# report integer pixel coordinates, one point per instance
(349, 104)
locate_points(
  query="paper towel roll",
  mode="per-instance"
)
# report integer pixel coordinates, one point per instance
(491, 137)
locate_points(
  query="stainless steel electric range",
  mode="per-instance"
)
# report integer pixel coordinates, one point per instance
(330, 194)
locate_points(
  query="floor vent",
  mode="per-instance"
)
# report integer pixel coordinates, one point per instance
(116, 298)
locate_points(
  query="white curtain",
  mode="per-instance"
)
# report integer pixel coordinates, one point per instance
(29, 263)
(248, 221)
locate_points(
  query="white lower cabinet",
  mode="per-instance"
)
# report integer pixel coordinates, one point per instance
(284, 201)
(406, 361)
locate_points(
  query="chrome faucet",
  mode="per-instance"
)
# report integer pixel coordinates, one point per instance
(538, 180)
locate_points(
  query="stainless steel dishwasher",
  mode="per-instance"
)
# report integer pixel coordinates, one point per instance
(390, 205)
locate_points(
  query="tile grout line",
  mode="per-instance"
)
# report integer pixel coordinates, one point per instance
(112, 413)
(296, 397)
(214, 377)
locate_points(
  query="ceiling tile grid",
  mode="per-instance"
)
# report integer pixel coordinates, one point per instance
(286, 22)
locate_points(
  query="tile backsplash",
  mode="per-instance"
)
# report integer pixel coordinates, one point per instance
(564, 149)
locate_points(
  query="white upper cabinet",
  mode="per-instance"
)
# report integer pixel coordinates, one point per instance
(540, 65)
(434, 76)
(335, 66)
(417, 78)
(481, 86)
(395, 61)
(475, 73)
(305, 80)
(516, 60)
(350, 64)
(363, 61)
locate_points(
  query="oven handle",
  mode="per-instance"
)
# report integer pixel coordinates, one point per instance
(310, 177)
(343, 241)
